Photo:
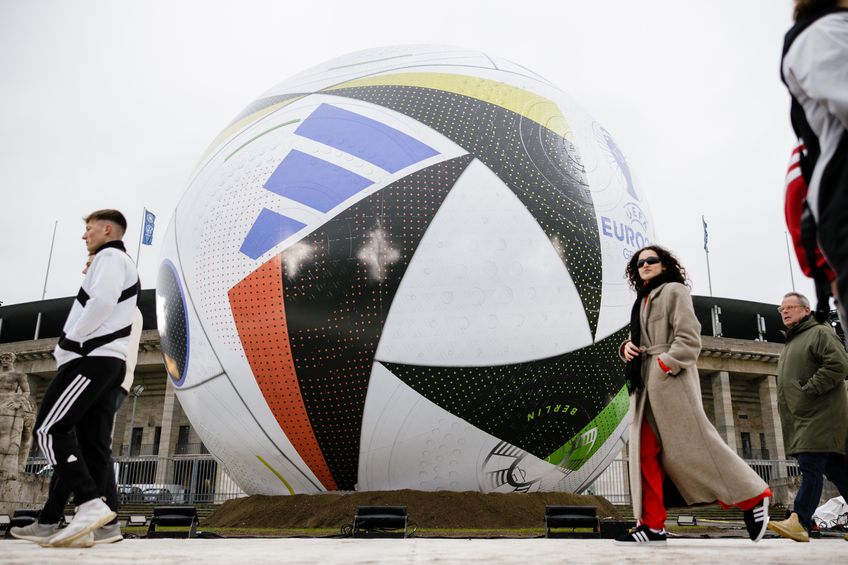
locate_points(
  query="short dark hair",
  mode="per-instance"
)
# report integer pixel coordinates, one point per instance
(109, 215)
(673, 269)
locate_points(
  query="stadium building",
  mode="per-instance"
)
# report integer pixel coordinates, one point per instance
(160, 457)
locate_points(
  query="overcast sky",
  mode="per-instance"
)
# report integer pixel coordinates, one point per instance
(110, 103)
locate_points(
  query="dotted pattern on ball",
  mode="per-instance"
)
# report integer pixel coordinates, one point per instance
(336, 307)
(231, 209)
(257, 305)
(262, 103)
(537, 406)
(543, 169)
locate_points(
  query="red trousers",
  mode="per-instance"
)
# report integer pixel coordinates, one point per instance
(653, 508)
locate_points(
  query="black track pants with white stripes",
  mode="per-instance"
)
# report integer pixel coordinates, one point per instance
(60, 493)
(80, 402)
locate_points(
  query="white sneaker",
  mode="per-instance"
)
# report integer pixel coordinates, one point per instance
(90, 516)
(110, 533)
(85, 541)
(35, 532)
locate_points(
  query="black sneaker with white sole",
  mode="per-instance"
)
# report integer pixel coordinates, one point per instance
(643, 535)
(756, 520)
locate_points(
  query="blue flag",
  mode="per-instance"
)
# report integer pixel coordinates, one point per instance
(149, 220)
(705, 234)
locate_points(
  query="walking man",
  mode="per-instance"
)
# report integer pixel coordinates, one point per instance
(813, 405)
(74, 423)
(58, 493)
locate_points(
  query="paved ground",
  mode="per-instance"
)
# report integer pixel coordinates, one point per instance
(725, 551)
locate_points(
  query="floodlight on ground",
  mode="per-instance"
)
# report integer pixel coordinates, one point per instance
(24, 517)
(380, 522)
(686, 520)
(136, 520)
(564, 521)
(171, 517)
(613, 529)
(5, 523)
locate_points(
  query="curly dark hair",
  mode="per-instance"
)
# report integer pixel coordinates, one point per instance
(674, 271)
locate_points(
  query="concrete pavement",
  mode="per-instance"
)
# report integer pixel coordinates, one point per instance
(680, 551)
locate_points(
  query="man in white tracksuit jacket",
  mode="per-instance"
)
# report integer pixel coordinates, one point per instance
(74, 423)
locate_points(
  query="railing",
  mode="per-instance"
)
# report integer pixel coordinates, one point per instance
(150, 479)
(153, 449)
(770, 469)
(612, 484)
(198, 479)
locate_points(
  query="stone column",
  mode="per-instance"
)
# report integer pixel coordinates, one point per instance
(771, 422)
(120, 431)
(169, 413)
(723, 406)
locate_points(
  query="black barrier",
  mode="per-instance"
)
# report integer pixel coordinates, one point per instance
(173, 516)
(24, 517)
(5, 525)
(380, 521)
(611, 529)
(562, 521)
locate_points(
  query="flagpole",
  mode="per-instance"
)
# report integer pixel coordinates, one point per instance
(140, 235)
(789, 260)
(709, 279)
(707, 253)
(46, 275)
(49, 259)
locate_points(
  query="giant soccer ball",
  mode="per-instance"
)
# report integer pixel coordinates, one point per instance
(404, 269)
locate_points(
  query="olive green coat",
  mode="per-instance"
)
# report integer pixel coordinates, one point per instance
(811, 396)
(694, 456)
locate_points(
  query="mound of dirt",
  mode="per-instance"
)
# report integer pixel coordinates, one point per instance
(453, 510)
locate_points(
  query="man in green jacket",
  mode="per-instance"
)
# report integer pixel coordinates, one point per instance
(813, 404)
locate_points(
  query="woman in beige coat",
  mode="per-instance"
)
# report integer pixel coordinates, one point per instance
(669, 431)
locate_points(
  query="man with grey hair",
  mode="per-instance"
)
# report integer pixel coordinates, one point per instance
(813, 404)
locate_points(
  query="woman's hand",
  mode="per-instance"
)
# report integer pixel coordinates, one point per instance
(630, 351)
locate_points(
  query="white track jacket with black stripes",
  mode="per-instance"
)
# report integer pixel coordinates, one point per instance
(815, 70)
(101, 318)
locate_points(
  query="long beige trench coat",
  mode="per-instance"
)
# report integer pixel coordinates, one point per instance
(699, 463)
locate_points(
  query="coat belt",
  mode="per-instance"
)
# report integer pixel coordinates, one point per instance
(658, 348)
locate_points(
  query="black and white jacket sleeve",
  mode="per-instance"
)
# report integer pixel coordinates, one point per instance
(815, 70)
(101, 317)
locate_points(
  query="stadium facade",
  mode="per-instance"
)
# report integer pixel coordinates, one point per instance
(155, 444)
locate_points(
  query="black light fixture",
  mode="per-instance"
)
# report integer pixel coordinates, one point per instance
(570, 518)
(5, 524)
(612, 528)
(23, 517)
(380, 522)
(173, 516)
